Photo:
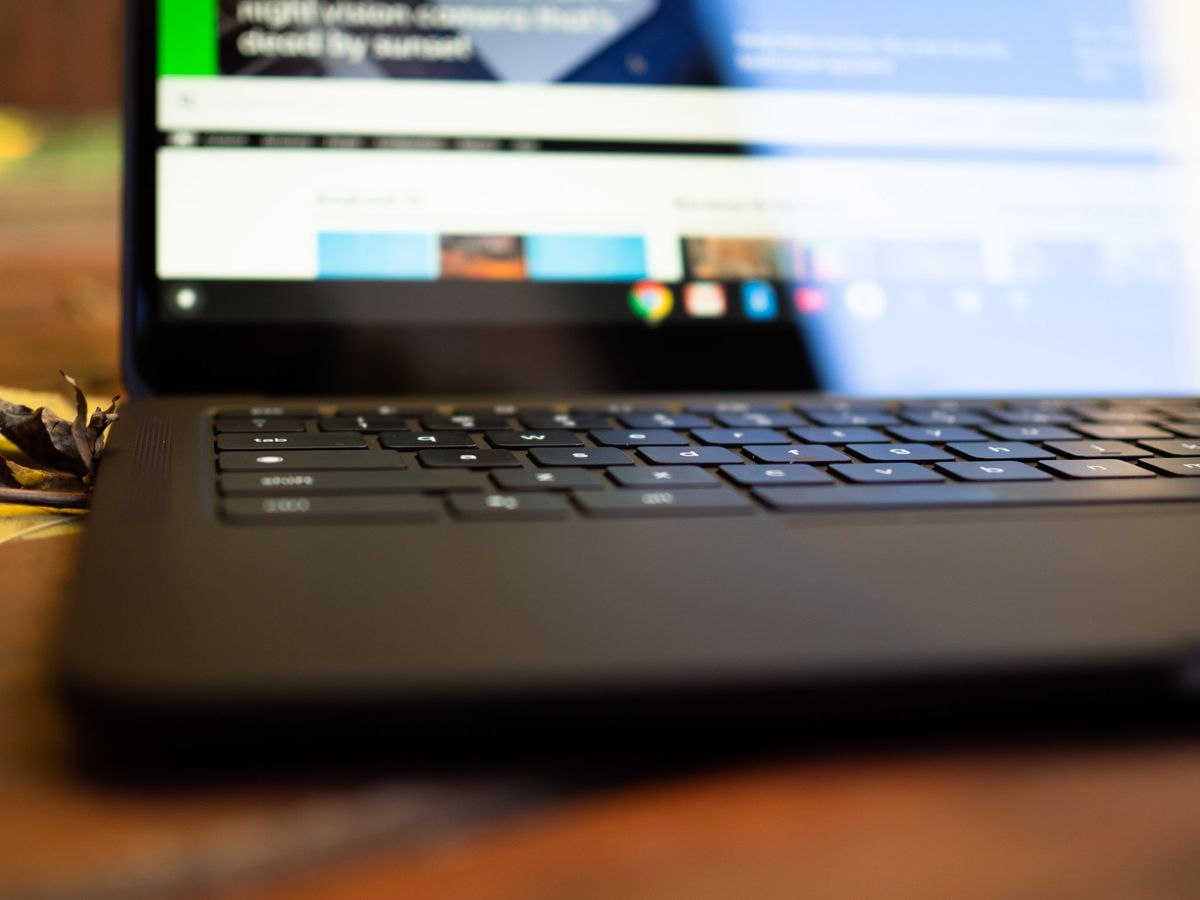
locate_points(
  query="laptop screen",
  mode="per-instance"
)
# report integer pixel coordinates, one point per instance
(942, 197)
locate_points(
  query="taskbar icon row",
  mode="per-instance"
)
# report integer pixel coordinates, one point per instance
(756, 301)
(863, 301)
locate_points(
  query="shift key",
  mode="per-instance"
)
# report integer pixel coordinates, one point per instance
(323, 509)
(278, 441)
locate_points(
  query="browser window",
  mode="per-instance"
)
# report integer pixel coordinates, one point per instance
(985, 196)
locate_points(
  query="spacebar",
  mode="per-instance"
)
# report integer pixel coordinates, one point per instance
(954, 494)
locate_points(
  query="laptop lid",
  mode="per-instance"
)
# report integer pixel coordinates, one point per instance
(566, 195)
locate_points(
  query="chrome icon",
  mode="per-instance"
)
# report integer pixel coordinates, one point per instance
(650, 301)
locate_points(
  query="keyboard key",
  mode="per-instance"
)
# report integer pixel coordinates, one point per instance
(1130, 404)
(253, 484)
(463, 423)
(753, 476)
(619, 409)
(1093, 468)
(1119, 432)
(574, 421)
(387, 411)
(890, 473)
(1033, 408)
(1123, 416)
(945, 417)
(1178, 467)
(935, 434)
(671, 476)
(508, 507)
(1032, 416)
(653, 437)
(1097, 449)
(688, 456)
(738, 437)
(423, 440)
(767, 419)
(1031, 432)
(664, 420)
(293, 510)
(949, 406)
(626, 503)
(839, 419)
(261, 412)
(467, 459)
(840, 435)
(591, 457)
(993, 471)
(899, 452)
(842, 404)
(802, 453)
(363, 423)
(1093, 413)
(729, 408)
(273, 441)
(275, 424)
(1186, 429)
(502, 409)
(521, 440)
(303, 460)
(1174, 448)
(547, 480)
(1186, 411)
(1000, 450)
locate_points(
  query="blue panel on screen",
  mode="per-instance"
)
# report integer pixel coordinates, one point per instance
(1007, 48)
(375, 255)
(582, 257)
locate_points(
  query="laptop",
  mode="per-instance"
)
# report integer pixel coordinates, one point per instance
(525, 366)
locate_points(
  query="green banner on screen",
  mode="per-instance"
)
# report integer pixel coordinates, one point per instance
(187, 37)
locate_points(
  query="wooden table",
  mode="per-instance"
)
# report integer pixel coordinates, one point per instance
(1043, 822)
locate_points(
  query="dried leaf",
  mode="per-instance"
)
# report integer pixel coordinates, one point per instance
(98, 425)
(53, 441)
(15, 475)
(83, 446)
(41, 435)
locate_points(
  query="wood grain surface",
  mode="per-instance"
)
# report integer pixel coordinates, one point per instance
(1050, 822)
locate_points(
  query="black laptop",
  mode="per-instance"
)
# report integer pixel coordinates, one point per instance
(585, 360)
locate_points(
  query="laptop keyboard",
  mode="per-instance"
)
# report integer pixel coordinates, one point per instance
(504, 463)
